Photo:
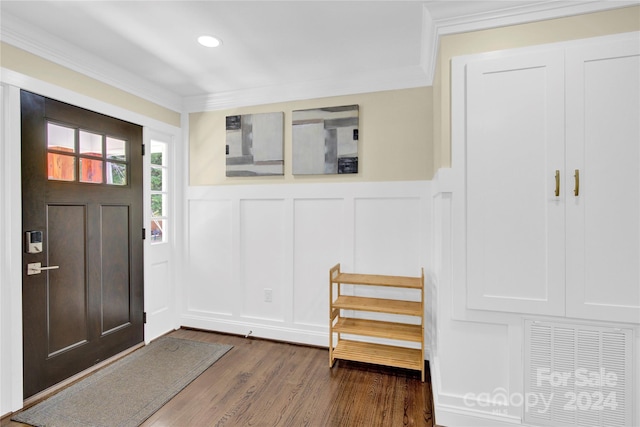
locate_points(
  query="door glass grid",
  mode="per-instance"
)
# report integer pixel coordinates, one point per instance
(61, 139)
(79, 155)
(159, 192)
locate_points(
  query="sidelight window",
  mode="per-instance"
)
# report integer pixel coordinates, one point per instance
(159, 191)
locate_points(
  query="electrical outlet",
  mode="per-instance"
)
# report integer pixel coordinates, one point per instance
(268, 295)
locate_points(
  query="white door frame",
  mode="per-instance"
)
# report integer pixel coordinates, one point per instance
(11, 387)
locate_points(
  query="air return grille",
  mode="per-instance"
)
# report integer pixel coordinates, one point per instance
(577, 375)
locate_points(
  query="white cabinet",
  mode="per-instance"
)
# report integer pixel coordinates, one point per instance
(515, 136)
(535, 242)
(603, 143)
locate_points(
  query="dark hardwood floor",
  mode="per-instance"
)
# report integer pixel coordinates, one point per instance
(266, 383)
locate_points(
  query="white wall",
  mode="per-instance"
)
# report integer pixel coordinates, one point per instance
(472, 352)
(244, 239)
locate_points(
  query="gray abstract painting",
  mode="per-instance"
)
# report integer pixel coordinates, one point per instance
(325, 140)
(255, 144)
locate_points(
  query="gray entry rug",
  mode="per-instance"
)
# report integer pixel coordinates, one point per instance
(130, 390)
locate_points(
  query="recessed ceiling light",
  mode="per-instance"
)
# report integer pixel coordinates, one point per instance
(209, 41)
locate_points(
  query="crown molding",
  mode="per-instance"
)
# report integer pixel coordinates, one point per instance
(25, 36)
(31, 39)
(434, 29)
(392, 79)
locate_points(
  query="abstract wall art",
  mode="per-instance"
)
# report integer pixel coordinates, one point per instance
(255, 144)
(325, 140)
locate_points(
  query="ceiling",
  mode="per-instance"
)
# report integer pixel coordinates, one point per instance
(151, 45)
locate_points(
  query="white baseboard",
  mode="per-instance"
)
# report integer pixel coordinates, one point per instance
(259, 330)
(452, 416)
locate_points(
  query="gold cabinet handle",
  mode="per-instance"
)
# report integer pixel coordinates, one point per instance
(557, 183)
(576, 190)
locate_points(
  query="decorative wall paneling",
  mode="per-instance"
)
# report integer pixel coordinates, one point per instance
(258, 255)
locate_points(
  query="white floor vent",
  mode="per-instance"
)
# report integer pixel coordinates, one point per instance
(577, 375)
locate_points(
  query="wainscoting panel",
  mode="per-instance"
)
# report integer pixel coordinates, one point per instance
(387, 235)
(259, 255)
(318, 235)
(160, 290)
(262, 246)
(158, 300)
(209, 257)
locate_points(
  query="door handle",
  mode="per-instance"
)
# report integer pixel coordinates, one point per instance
(37, 268)
(576, 190)
(557, 183)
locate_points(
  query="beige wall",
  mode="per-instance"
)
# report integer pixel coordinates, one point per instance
(395, 144)
(31, 65)
(550, 31)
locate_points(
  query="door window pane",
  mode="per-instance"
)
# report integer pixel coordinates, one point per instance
(91, 171)
(93, 157)
(158, 151)
(61, 138)
(90, 144)
(116, 173)
(61, 167)
(116, 149)
(158, 230)
(157, 204)
(157, 179)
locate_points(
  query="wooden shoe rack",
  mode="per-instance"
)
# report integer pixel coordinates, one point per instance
(359, 350)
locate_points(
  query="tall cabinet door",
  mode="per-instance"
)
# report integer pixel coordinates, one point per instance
(514, 204)
(603, 214)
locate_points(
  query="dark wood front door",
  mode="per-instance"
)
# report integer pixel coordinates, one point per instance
(82, 189)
